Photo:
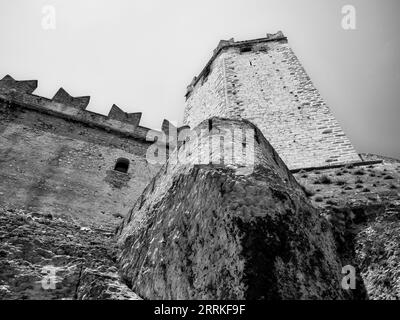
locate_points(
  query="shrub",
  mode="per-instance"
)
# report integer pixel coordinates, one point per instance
(358, 181)
(303, 173)
(331, 202)
(393, 186)
(359, 172)
(318, 199)
(341, 182)
(388, 177)
(324, 179)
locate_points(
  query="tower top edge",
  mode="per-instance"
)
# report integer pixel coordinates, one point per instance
(225, 44)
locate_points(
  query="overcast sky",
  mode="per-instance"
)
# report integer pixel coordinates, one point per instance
(141, 55)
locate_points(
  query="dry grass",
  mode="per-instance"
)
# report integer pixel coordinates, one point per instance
(346, 183)
(359, 172)
(341, 182)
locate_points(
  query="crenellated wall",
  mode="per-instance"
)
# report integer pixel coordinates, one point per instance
(71, 108)
(263, 81)
(58, 158)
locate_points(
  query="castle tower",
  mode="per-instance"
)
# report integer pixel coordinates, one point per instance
(262, 81)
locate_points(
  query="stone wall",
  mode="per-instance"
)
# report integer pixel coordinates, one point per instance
(57, 158)
(209, 98)
(264, 82)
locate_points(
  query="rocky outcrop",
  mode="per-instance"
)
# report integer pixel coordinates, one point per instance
(205, 231)
(377, 252)
(44, 257)
(362, 204)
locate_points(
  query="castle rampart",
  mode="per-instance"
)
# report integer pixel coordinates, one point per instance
(59, 158)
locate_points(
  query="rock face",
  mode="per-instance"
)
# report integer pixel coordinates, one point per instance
(362, 203)
(43, 257)
(377, 252)
(207, 231)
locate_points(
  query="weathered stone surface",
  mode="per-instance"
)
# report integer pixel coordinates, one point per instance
(66, 168)
(106, 285)
(63, 96)
(209, 232)
(263, 81)
(38, 250)
(119, 114)
(27, 86)
(377, 252)
(362, 204)
(15, 92)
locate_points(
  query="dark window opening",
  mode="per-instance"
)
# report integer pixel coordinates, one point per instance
(122, 165)
(245, 49)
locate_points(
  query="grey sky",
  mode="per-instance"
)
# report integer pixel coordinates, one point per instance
(141, 55)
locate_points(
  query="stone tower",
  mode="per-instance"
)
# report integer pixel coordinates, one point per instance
(262, 81)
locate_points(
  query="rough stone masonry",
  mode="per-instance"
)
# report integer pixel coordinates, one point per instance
(262, 81)
(58, 158)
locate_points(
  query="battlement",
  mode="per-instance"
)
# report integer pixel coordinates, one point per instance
(225, 44)
(74, 108)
